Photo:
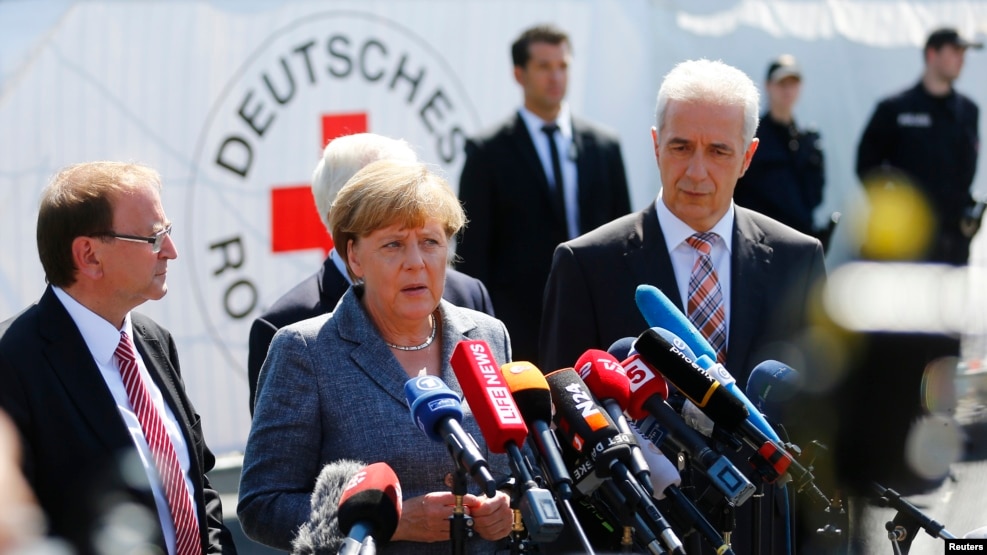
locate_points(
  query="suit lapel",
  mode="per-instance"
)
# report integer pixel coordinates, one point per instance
(525, 146)
(70, 359)
(749, 273)
(648, 258)
(584, 169)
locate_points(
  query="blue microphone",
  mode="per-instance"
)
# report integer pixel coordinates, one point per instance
(771, 386)
(438, 411)
(659, 311)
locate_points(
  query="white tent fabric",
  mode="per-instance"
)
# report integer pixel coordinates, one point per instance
(227, 100)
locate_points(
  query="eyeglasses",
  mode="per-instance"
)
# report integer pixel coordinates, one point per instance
(156, 241)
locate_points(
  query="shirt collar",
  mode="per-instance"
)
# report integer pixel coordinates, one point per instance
(676, 231)
(535, 123)
(100, 336)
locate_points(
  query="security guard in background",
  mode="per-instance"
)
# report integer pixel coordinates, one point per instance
(786, 176)
(928, 136)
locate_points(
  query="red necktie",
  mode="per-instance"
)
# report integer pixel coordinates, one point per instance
(706, 310)
(162, 449)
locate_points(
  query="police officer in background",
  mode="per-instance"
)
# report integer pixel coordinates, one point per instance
(928, 135)
(786, 176)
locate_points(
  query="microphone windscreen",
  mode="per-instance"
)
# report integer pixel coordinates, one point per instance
(644, 382)
(487, 393)
(373, 495)
(604, 376)
(771, 386)
(659, 311)
(430, 401)
(621, 348)
(530, 391)
(714, 400)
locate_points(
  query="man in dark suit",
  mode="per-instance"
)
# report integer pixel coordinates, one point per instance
(518, 209)
(762, 272)
(319, 293)
(109, 435)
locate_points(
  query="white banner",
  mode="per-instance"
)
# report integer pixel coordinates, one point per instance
(232, 101)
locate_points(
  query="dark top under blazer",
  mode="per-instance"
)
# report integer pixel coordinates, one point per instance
(320, 292)
(513, 229)
(589, 299)
(73, 435)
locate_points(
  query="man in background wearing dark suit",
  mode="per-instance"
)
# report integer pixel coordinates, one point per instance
(319, 293)
(764, 271)
(519, 208)
(111, 442)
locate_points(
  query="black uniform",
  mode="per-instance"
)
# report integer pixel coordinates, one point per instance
(786, 176)
(934, 141)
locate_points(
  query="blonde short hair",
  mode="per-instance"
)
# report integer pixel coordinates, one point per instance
(389, 192)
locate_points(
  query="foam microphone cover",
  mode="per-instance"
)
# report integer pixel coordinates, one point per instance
(488, 395)
(771, 386)
(604, 376)
(695, 383)
(431, 401)
(372, 495)
(659, 311)
(530, 390)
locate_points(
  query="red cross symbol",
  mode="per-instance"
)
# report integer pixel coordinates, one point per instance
(295, 221)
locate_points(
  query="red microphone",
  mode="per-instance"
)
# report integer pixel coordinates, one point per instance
(489, 397)
(369, 506)
(607, 380)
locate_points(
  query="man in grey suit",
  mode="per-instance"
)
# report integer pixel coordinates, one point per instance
(320, 292)
(518, 210)
(94, 389)
(766, 271)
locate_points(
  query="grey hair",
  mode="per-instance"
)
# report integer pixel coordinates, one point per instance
(344, 156)
(714, 82)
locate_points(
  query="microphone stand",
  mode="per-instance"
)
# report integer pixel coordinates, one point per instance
(460, 525)
(907, 517)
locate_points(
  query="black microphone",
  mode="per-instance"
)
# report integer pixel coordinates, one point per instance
(438, 411)
(586, 426)
(657, 420)
(726, 411)
(771, 386)
(370, 507)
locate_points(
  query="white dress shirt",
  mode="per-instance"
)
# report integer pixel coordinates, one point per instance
(102, 339)
(684, 256)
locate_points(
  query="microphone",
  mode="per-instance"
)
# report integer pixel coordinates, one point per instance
(665, 479)
(607, 380)
(658, 310)
(725, 410)
(437, 411)
(534, 401)
(656, 420)
(771, 386)
(501, 425)
(590, 431)
(370, 506)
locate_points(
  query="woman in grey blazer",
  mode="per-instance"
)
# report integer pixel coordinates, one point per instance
(330, 396)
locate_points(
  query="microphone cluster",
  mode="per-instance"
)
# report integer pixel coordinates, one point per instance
(600, 435)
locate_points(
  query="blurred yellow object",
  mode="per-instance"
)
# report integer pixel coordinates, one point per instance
(899, 223)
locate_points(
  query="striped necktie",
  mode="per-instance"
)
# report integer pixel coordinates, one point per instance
(162, 450)
(706, 310)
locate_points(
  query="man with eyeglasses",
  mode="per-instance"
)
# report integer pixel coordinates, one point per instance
(112, 446)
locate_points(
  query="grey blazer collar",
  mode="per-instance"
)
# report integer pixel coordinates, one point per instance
(371, 355)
